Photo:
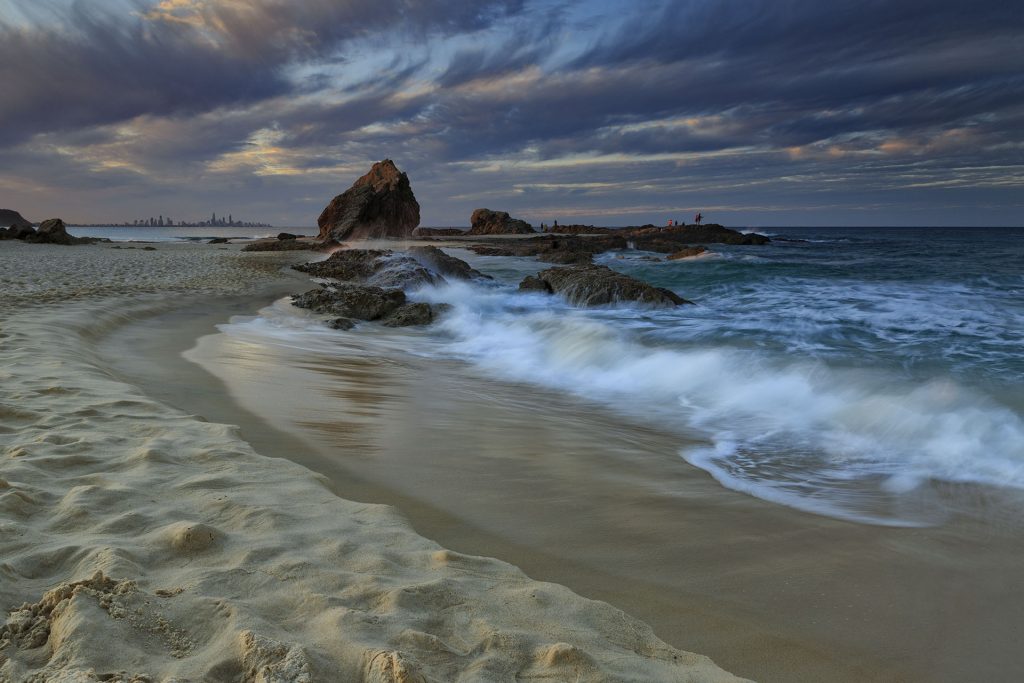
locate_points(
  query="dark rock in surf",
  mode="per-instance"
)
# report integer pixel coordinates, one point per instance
(688, 252)
(445, 264)
(379, 205)
(593, 285)
(286, 236)
(487, 222)
(348, 302)
(438, 232)
(379, 267)
(532, 283)
(15, 226)
(54, 231)
(282, 245)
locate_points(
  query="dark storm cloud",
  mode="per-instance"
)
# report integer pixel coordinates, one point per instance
(700, 101)
(86, 66)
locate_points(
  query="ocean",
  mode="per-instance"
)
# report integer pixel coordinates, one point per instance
(847, 372)
(821, 460)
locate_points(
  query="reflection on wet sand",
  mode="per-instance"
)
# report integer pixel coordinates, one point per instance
(575, 494)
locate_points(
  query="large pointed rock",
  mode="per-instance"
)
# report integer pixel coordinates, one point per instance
(380, 205)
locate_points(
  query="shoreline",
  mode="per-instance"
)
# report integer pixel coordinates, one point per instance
(199, 566)
(806, 592)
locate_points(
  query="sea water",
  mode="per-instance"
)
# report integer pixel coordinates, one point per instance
(850, 372)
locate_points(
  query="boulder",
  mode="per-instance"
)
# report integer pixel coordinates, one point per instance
(53, 231)
(380, 205)
(688, 252)
(286, 236)
(438, 232)
(281, 245)
(349, 302)
(409, 314)
(487, 222)
(712, 233)
(551, 248)
(379, 267)
(218, 240)
(532, 283)
(445, 264)
(592, 285)
(15, 223)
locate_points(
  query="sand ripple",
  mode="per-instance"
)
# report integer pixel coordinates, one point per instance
(140, 543)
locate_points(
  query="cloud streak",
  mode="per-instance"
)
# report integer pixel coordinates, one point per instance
(912, 110)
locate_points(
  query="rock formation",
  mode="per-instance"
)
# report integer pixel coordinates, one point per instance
(592, 285)
(52, 231)
(385, 268)
(9, 218)
(375, 267)
(275, 244)
(378, 205)
(448, 266)
(487, 222)
(347, 302)
(688, 252)
(438, 232)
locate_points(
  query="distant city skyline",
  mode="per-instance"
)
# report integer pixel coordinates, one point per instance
(160, 222)
(608, 112)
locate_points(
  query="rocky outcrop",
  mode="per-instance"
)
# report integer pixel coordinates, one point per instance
(592, 285)
(711, 233)
(553, 249)
(385, 268)
(380, 205)
(688, 252)
(577, 229)
(282, 245)
(446, 265)
(9, 218)
(438, 232)
(378, 267)
(347, 302)
(52, 231)
(487, 222)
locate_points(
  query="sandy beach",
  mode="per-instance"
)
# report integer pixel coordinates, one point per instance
(126, 520)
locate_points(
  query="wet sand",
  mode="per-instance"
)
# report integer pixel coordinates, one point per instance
(141, 542)
(574, 494)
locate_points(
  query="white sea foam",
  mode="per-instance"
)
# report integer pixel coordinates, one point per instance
(798, 432)
(855, 443)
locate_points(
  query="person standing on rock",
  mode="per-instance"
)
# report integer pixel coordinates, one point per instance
(698, 218)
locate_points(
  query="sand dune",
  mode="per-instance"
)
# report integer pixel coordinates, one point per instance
(139, 543)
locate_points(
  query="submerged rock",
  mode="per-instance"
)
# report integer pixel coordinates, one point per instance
(487, 222)
(592, 285)
(378, 205)
(688, 252)
(445, 264)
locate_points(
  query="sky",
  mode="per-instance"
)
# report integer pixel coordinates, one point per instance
(607, 112)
